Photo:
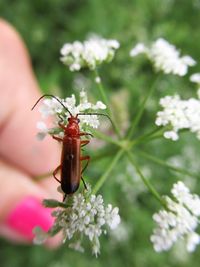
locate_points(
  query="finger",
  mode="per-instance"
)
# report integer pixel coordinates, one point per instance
(21, 210)
(18, 143)
(17, 123)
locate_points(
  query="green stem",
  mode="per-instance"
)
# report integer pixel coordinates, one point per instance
(105, 100)
(155, 133)
(151, 138)
(104, 154)
(105, 137)
(147, 136)
(163, 163)
(145, 181)
(101, 89)
(103, 178)
(141, 109)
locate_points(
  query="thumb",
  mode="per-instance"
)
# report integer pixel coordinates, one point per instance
(24, 157)
(23, 211)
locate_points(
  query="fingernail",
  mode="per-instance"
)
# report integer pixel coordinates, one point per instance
(28, 214)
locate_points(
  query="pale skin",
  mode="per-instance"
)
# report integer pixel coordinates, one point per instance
(22, 156)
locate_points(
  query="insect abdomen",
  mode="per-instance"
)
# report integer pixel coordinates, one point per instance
(71, 166)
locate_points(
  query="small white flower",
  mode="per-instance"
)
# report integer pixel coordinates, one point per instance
(98, 105)
(195, 78)
(40, 236)
(179, 114)
(51, 107)
(86, 215)
(165, 57)
(188, 60)
(179, 221)
(138, 49)
(113, 218)
(171, 135)
(182, 193)
(98, 79)
(193, 239)
(96, 247)
(88, 54)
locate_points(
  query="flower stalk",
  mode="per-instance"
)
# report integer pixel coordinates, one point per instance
(106, 101)
(145, 181)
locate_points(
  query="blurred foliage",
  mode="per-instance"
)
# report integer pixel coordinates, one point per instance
(46, 26)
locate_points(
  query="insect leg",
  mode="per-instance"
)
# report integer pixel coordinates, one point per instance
(61, 118)
(84, 183)
(84, 133)
(55, 172)
(84, 142)
(64, 197)
(57, 138)
(85, 158)
(62, 126)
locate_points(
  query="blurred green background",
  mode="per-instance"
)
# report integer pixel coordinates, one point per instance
(46, 26)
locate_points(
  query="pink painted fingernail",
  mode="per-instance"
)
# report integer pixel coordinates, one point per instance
(27, 214)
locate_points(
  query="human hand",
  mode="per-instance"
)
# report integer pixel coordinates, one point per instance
(22, 156)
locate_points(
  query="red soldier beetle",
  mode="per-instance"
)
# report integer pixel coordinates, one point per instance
(70, 167)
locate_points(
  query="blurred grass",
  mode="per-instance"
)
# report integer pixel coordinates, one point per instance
(45, 27)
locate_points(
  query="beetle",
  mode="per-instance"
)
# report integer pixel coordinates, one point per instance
(71, 157)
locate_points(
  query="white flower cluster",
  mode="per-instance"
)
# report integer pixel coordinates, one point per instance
(179, 221)
(179, 114)
(52, 107)
(165, 57)
(86, 216)
(88, 54)
(195, 78)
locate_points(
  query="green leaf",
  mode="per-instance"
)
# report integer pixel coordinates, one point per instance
(54, 230)
(52, 203)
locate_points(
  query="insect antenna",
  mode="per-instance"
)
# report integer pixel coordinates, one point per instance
(52, 96)
(96, 113)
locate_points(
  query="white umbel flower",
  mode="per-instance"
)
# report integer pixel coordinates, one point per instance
(195, 78)
(138, 49)
(52, 108)
(165, 57)
(179, 221)
(179, 114)
(193, 240)
(89, 54)
(86, 215)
